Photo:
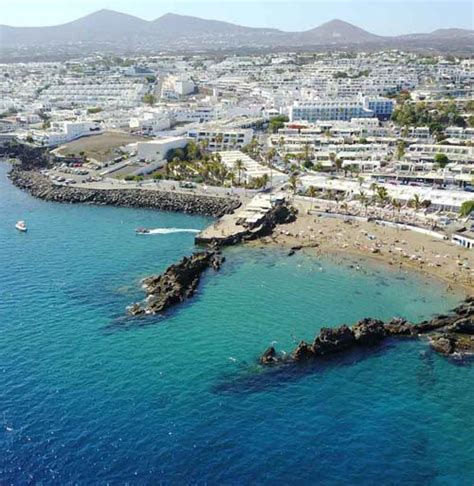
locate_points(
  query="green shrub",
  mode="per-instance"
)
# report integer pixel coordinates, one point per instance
(467, 208)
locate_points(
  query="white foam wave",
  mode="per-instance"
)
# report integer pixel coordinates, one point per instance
(166, 231)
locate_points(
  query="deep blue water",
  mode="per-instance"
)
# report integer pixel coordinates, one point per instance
(89, 396)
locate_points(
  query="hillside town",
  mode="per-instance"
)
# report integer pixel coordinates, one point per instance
(237, 242)
(385, 135)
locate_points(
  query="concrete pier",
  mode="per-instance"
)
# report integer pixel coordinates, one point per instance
(256, 219)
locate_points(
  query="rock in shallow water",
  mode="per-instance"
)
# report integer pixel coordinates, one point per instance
(450, 335)
(177, 283)
(332, 340)
(269, 356)
(369, 331)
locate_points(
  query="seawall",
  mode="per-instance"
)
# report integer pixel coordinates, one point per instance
(41, 187)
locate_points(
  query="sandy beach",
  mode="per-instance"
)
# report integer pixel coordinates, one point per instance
(397, 247)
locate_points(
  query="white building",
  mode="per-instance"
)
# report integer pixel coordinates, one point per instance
(341, 109)
(221, 138)
(150, 123)
(156, 150)
(251, 168)
(460, 133)
(75, 130)
(173, 87)
(455, 153)
(464, 239)
(67, 132)
(184, 87)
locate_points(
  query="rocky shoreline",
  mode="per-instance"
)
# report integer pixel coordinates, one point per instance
(279, 214)
(29, 156)
(451, 335)
(41, 187)
(177, 283)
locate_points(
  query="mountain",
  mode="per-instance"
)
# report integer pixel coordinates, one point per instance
(101, 26)
(119, 32)
(173, 24)
(338, 31)
(441, 34)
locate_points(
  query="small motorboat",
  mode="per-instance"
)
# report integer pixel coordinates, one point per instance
(21, 226)
(142, 231)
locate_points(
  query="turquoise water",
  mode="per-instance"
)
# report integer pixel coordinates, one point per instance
(89, 396)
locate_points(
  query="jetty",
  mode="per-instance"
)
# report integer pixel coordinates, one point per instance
(256, 219)
(42, 187)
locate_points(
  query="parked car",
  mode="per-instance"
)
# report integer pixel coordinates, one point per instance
(187, 185)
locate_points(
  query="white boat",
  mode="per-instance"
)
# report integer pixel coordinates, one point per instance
(21, 226)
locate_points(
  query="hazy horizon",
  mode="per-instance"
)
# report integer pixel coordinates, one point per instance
(379, 17)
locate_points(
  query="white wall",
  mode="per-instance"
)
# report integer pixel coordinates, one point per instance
(156, 150)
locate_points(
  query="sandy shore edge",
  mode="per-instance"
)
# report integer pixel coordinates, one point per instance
(399, 249)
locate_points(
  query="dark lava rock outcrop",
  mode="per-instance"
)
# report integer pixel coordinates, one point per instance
(177, 283)
(30, 157)
(282, 213)
(451, 335)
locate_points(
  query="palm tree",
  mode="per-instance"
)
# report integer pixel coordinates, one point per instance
(382, 195)
(269, 156)
(192, 150)
(239, 168)
(265, 178)
(400, 152)
(415, 202)
(204, 144)
(293, 182)
(149, 99)
(364, 200)
(294, 168)
(318, 167)
(281, 142)
(397, 205)
(374, 186)
(312, 191)
(253, 146)
(306, 151)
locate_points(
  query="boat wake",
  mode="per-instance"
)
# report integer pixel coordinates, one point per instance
(166, 231)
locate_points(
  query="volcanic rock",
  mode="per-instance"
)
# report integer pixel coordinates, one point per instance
(333, 340)
(176, 284)
(368, 332)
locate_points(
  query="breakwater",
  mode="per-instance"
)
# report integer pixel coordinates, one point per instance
(41, 187)
(229, 230)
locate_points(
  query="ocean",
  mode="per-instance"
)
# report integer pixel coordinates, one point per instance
(91, 396)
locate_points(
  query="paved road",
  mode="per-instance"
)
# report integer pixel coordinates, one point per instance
(165, 185)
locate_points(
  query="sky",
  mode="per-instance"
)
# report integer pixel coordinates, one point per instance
(383, 17)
